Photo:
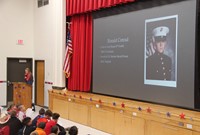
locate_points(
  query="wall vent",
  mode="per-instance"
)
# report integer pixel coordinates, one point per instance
(46, 2)
(42, 3)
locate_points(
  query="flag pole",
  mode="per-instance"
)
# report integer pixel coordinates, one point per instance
(68, 23)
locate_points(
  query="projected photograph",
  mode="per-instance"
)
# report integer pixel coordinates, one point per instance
(160, 54)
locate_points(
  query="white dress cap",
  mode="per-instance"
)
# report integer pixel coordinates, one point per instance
(160, 31)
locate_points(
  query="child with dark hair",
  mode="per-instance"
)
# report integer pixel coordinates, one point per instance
(46, 118)
(40, 115)
(51, 123)
(54, 130)
(73, 130)
(28, 128)
(40, 129)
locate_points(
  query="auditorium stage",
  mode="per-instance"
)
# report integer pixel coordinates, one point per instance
(119, 116)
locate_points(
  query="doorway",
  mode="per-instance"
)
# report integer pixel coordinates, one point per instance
(39, 82)
(15, 73)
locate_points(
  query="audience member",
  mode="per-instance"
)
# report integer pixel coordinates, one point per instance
(4, 128)
(61, 129)
(11, 123)
(54, 130)
(40, 129)
(40, 115)
(14, 124)
(46, 118)
(28, 128)
(73, 130)
(21, 112)
(51, 123)
(11, 108)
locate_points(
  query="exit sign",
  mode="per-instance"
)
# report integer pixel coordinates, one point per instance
(20, 42)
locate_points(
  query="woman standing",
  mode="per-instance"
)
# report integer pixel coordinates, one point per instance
(28, 77)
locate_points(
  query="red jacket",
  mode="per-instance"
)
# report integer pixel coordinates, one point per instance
(45, 120)
(27, 77)
(49, 125)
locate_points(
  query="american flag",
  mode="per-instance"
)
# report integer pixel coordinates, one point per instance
(68, 54)
(149, 46)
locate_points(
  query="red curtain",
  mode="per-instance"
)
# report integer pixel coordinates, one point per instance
(82, 6)
(81, 64)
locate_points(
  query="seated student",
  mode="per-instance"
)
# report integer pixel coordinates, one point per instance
(28, 128)
(54, 130)
(12, 107)
(21, 112)
(51, 123)
(62, 130)
(46, 118)
(73, 130)
(40, 115)
(40, 129)
(13, 123)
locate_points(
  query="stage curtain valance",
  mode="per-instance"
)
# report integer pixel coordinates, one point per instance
(82, 6)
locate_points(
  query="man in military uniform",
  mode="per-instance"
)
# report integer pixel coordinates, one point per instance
(158, 65)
